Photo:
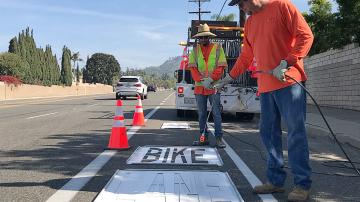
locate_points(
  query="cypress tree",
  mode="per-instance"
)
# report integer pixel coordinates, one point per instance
(77, 73)
(66, 74)
(43, 66)
(13, 46)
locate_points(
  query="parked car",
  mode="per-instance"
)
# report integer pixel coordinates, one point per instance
(131, 86)
(152, 88)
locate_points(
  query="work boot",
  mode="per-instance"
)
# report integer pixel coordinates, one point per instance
(220, 143)
(267, 188)
(298, 194)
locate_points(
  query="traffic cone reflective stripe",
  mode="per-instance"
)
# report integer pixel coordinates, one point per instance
(138, 119)
(139, 109)
(139, 100)
(118, 111)
(119, 118)
(118, 138)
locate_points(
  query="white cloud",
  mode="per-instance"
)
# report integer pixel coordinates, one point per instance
(150, 35)
(69, 10)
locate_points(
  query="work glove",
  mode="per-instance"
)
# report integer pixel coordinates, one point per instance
(207, 82)
(220, 85)
(279, 71)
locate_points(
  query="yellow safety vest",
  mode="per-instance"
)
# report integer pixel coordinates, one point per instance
(216, 58)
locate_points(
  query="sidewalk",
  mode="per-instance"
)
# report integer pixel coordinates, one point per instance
(344, 123)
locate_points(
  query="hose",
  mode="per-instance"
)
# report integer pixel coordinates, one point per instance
(327, 124)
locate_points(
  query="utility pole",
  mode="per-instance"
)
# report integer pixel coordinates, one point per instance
(242, 17)
(199, 12)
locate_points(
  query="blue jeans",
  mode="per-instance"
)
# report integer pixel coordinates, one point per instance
(214, 100)
(290, 104)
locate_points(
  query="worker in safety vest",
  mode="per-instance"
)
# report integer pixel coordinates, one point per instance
(207, 62)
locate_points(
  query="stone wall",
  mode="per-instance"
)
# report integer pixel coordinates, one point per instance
(334, 77)
(11, 92)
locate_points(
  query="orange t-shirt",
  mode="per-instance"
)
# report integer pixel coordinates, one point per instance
(278, 32)
(215, 75)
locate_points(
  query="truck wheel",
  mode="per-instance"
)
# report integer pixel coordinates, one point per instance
(245, 116)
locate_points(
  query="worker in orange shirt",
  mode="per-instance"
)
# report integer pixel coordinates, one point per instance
(207, 62)
(278, 37)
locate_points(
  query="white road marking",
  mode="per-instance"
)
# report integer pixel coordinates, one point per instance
(245, 170)
(42, 115)
(70, 189)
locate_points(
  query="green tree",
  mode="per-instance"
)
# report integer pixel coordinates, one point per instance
(13, 46)
(165, 77)
(102, 68)
(43, 67)
(230, 17)
(12, 65)
(66, 74)
(348, 20)
(322, 23)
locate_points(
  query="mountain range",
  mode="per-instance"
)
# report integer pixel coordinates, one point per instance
(168, 67)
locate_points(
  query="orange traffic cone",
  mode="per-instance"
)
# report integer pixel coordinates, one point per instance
(118, 138)
(138, 119)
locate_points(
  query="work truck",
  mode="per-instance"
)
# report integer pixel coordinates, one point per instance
(239, 97)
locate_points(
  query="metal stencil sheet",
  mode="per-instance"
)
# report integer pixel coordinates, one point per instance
(175, 155)
(169, 186)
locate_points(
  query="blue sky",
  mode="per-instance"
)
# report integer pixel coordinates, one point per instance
(140, 34)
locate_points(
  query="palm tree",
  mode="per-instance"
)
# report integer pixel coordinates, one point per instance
(230, 17)
(75, 58)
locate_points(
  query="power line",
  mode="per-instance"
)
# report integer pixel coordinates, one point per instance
(199, 12)
(218, 16)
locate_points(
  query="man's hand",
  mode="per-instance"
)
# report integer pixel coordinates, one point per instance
(279, 71)
(207, 82)
(219, 86)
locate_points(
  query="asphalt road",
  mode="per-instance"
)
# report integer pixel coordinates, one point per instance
(46, 143)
